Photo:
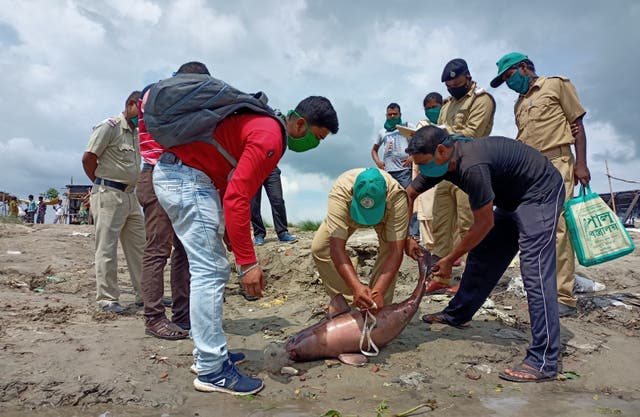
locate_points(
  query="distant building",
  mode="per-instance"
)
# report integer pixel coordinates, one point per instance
(77, 196)
(627, 205)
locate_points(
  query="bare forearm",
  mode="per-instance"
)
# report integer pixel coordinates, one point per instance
(470, 240)
(375, 157)
(89, 164)
(343, 263)
(482, 224)
(581, 147)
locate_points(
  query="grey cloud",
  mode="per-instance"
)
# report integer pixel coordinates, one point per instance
(360, 55)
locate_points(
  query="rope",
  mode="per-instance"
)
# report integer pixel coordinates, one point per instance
(366, 332)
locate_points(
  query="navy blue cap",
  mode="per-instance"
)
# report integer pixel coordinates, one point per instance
(454, 68)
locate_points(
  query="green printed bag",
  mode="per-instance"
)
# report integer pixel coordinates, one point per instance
(596, 232)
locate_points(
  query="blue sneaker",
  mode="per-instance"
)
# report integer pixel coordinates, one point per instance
(229, 380)
(234, 357)
(258, 240)
(287, 238)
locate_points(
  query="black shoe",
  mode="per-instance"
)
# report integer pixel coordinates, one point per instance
(566, 311)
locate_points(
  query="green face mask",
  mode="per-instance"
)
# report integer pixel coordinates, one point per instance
(134, 121)
(518, 82)
(432, 114)
(390, 124)
(305, 143)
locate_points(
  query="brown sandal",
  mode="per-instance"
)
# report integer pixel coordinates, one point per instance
(165, 329)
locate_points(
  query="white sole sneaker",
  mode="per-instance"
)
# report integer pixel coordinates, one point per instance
(206, 387)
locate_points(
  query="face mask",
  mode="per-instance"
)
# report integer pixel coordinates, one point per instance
(134, 121)
(518, 82)
(390, 124)
(305, 143)
(431, 169)
(458, 92)
(432, 114)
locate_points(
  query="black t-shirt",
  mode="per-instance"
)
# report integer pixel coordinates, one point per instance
(498, 169)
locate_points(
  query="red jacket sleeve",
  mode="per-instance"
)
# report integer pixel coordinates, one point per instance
(262, 151)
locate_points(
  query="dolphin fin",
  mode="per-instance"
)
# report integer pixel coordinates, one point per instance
(353, 359)
(338, 305)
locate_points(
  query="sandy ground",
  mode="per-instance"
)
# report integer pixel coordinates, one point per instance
(60, 356)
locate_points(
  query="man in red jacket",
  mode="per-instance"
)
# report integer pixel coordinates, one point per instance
(207, 199)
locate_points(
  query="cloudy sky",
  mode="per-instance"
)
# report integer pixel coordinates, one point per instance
(66, 65)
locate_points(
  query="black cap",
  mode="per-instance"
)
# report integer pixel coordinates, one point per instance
(454, 68)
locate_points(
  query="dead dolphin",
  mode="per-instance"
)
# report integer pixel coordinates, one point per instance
(341, 332)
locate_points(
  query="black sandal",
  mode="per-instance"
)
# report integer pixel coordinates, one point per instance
(524, 368)
(441, 319)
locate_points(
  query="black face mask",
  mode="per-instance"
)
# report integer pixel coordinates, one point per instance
(458, 92)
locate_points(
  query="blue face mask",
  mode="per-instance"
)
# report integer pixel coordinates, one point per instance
(518, 82)
(431, 169)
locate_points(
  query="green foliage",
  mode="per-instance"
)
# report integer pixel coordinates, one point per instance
(51, 194)
(381, 408)
(308, 225)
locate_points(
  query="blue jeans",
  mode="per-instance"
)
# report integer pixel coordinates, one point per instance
(193, 205)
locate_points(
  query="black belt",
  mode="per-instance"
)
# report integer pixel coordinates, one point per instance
(168, 158)
(147, 167)
(113, 184)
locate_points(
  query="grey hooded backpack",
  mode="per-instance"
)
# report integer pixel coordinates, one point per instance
(188, 107)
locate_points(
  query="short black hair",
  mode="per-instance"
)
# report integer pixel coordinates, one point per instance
(134, 96)
(432, 96)
(193, 67)
(318, 111)
(31, 196)
(393, 106)
(40, 198)
(529, 64)
(426, 140)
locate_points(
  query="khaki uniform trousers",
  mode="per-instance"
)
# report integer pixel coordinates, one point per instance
(452, 217)
(331, 279)
(562, 158)
(117, 215)
(424, 207)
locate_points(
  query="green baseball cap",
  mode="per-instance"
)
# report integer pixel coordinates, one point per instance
(369, 197)
(505, 63)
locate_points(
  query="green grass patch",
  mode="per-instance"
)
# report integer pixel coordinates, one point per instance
(308, 225)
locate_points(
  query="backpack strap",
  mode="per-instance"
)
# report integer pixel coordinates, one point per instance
(226, 155)
(224, 152)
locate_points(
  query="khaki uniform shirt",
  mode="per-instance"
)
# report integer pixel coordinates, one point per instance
(471, 115)
(394, 223)
(544, 114)
(116, 146)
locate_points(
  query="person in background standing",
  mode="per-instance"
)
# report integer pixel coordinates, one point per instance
(31, 210)
(273, 187)
(41, 210)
